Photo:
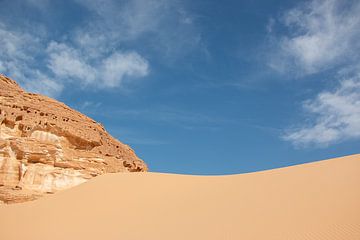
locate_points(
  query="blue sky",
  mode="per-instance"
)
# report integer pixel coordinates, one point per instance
(198, 87)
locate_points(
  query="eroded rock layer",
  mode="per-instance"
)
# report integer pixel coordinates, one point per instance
(45, 146)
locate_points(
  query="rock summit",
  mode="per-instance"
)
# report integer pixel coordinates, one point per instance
(45, 146)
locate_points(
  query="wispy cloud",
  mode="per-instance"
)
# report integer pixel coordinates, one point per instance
(165, 26)
(18, 57)
(337, 116)
(316, 35)
(120, 65)
(68, 63)
(322, 35)
(104, 49)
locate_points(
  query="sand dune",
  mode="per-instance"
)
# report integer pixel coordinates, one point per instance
(317, 201)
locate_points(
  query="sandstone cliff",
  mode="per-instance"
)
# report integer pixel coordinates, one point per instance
(45, 146)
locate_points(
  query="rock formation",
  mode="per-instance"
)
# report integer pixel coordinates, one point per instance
(45, 146)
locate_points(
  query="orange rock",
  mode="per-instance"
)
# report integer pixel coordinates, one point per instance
(45, 146)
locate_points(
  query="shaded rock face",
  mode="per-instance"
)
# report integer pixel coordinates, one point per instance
(45, 146)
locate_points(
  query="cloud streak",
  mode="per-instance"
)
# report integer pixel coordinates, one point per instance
(68, 63)
(319, 35)
(104, 48)
(18, 56)
(337, 116)
(163, 24)
(323, 35)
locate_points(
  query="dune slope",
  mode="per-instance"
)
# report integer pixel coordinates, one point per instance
(317, 201)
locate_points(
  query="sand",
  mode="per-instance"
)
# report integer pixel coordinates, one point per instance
(316, 201)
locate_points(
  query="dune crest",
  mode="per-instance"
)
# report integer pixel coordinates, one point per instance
(315, 201)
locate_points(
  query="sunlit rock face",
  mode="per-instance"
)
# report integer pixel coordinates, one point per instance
(45, 146)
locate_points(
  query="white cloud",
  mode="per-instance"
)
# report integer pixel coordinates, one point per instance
(15, 45)
(94, 44)
(323, 35)
(337, 116)
(319, 34)
(69, 63)
(100, 49)
(120, 65)
(66, 62)
(18, 56)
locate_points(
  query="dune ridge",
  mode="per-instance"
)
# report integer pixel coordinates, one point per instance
(317, 201)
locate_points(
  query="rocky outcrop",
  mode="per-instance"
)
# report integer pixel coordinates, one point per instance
(45, 146)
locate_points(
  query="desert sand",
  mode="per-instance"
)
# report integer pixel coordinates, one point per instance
(317, 201)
